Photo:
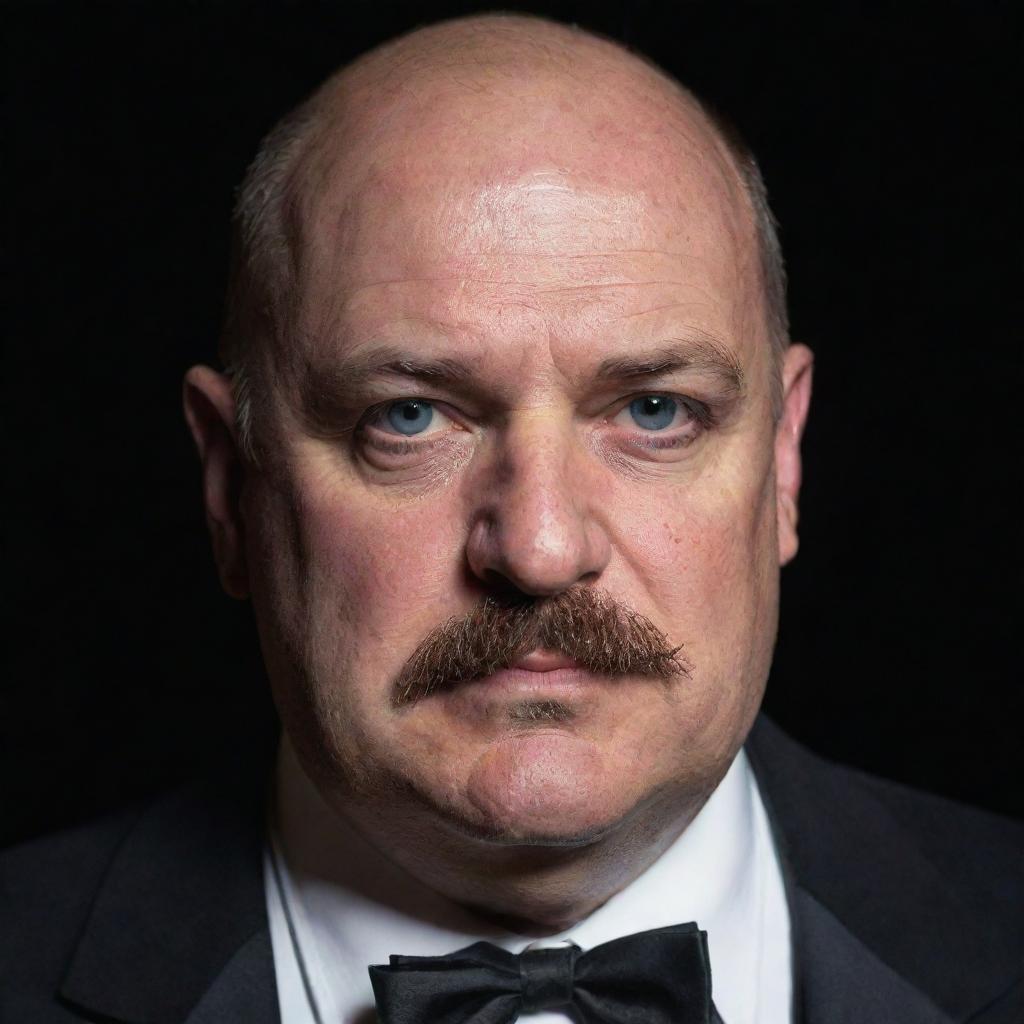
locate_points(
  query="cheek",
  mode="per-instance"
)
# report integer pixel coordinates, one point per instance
(708, 548)
(368, 578)
(711, 570)
(345, 589)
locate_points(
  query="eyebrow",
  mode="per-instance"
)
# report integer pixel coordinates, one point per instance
(703, 354)
(391, 363)
(325, 390)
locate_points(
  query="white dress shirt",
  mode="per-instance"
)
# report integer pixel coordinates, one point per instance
(341, 906)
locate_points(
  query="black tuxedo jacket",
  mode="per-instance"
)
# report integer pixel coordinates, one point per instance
(905, 908)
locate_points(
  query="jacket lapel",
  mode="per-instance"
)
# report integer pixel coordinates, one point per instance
(844, 982)
(880, 932)
(244, 990)
(178, 931)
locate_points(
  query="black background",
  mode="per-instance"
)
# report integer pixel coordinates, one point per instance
(886, 135)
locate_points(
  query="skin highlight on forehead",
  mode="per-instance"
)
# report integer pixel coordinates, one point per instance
(512, 167)
(428, 233)
(550, 125)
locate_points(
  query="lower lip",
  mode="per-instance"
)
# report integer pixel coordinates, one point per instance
(573, 686)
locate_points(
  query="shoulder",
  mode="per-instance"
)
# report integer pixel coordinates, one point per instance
(980, 850)
(168, 880)
(935, 888)
(52, 879)
(847, 810)
(47, 887)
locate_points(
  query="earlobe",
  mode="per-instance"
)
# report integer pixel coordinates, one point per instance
(210, 413)
(796, 385)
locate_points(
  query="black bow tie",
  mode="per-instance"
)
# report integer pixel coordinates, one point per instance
(657, 977)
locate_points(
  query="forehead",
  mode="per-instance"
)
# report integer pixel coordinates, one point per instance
(535, 198)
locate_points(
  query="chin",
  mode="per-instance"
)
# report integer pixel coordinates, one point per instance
(526, 833)
(544, 825)
(546, 788)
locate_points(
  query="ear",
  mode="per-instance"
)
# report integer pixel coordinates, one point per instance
(796, 391)
(210, 414)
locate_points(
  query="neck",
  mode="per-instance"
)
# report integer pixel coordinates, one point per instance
(537, 889)
(544, 890)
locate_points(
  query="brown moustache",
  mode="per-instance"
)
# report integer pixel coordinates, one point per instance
(600, 634)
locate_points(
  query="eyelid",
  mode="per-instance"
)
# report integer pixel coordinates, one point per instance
(701, 412)
(703, 417)
(375, 415)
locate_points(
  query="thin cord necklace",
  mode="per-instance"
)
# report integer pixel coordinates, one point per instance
(282, 896)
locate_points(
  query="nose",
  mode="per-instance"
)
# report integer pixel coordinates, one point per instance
(534, 529)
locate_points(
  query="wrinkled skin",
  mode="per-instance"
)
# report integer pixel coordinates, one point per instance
(530, 224)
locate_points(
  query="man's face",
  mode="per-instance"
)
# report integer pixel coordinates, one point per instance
(528, 359)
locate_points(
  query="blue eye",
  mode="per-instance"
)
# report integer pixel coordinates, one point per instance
(411, 416)
(653, 412)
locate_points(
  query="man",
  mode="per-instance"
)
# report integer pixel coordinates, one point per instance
(506, 456)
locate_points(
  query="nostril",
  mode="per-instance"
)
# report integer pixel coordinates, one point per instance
(535, 551)
(503, 589)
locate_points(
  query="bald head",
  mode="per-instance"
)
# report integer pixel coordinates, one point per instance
(530, 138)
